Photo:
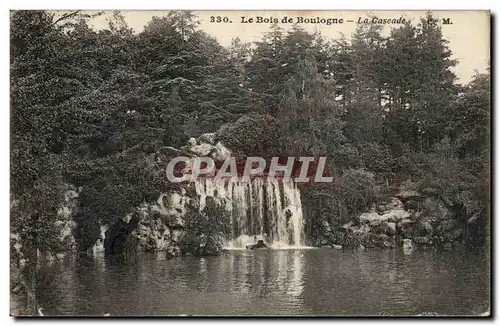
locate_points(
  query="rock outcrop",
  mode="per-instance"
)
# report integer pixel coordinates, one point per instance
(419, 218)
(161, 226)
(65, 222)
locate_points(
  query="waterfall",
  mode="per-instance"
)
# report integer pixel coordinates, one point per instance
(268, 210)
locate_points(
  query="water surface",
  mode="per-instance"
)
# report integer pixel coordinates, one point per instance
(265, 282)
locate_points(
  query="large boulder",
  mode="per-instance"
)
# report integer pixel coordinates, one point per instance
(206, 145)
(392, 203)
(203, 149)
(208, 138)
(371, 217)
(395, 215)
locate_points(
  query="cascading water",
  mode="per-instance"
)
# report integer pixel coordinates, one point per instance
(270, 210)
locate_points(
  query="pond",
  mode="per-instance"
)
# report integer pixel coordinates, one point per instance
(271, 282)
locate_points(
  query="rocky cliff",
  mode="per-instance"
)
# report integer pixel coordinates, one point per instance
(410, 218)
(161, 226)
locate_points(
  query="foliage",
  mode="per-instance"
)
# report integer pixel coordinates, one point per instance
(207, 231)
(241, 135)
(352, 193)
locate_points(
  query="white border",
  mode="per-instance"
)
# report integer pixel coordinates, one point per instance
(255, 5)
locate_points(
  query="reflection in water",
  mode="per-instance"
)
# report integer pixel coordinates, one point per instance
(262, 273)
(297, 270)
(270, 282)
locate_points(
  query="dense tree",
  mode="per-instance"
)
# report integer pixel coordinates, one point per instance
(51, 80)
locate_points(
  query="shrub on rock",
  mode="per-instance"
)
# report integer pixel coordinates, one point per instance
(206, 231)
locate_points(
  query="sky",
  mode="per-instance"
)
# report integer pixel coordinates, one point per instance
(468, 34)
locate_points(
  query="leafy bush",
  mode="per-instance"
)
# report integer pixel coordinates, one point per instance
(252, 135)
(206, 231)
(352, 193)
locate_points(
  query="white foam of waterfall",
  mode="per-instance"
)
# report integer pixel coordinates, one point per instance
(293, 205)
(268, 210)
